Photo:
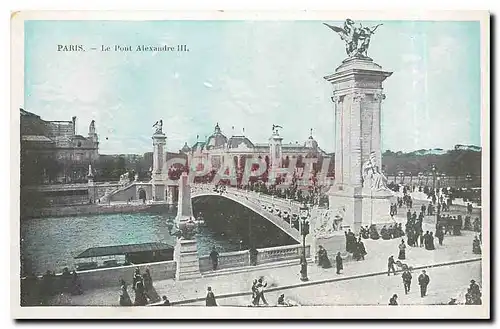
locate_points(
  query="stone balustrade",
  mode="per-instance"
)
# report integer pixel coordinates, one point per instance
(276, 254)
(226, 260)
(242, 258)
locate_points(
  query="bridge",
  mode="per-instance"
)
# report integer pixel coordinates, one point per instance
(281, 212)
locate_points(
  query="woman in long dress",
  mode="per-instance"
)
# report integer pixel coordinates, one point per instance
(124, 296)
(402, 250)
(323, 260)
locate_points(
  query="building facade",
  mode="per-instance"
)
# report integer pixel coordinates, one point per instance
(52, 152)
(219, 149)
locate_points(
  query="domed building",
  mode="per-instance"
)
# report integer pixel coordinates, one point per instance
(218, 149)
(217, 140)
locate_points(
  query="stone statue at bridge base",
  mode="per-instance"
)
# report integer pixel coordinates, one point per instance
(327, 230)
(363, 206)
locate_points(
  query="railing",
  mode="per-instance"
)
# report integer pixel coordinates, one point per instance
(276, 254)
(253, 201)
(57, 187)
(242, 258)
(226, 260)
(120, 187)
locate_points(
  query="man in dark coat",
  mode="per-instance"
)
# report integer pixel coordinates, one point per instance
(407, 280)
(425, 239)
(440, 235)
(260, 291)
(338, 263)
(390, 266)
(475, 292)
(210, 299)
(214, 256)
(423, 282)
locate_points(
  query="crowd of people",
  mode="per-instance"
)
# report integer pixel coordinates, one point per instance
(355, 246)
(473, 295)
(142, 285)
(39, 290)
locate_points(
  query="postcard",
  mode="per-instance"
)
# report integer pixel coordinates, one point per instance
(250, 165)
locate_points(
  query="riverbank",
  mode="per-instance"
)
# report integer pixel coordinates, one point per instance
(96, 209)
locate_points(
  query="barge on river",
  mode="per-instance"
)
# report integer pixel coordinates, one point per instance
(121, 255)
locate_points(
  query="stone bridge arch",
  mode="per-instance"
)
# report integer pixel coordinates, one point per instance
(141, 194)
(256, 208)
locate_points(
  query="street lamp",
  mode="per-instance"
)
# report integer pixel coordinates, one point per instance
(433, 177)
(304, 216)
(420, 178)
(401, 177)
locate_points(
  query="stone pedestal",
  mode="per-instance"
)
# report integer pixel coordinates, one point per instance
(363, 207)
(332, 244)
(357, 95)
(186, 258)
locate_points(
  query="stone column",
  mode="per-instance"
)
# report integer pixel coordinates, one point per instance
(158, 184)
(186, 249)
(355, 149)
(339, 154)
(377, 141)
(357, 94)
(275, 154)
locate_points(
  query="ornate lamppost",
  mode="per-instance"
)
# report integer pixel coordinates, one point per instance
(401, 177)
(304, 214)
(434, 173)
(420, 178)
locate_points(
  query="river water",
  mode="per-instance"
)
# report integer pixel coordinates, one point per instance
(52, 243)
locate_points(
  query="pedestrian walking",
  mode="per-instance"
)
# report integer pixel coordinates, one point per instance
(394, 300)
(440, 235)
(390, 266)
(254, 292)
(407, 280)
(338, 263)
(423, 282)
(402, 250)
(260, 291)
(214, 257)
(210, 299)
(124, 296)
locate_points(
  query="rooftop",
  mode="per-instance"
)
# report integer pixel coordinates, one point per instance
(123, 249)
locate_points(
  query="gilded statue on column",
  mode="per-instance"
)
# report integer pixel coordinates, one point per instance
(356, 38)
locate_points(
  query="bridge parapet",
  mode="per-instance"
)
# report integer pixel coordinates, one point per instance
(265, 255)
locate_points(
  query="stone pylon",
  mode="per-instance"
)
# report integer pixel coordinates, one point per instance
(186, 249)
(157, 179)
(357, 97)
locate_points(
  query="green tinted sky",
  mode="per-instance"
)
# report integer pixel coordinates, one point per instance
(250, 75)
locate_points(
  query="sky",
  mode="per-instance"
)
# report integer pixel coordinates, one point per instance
(249, 75)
